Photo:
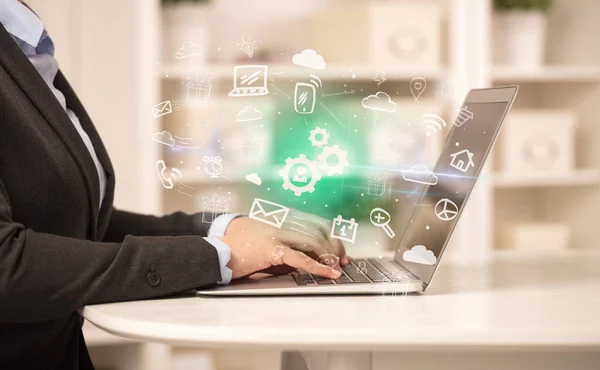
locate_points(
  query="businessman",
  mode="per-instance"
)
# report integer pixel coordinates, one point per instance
(64, 246)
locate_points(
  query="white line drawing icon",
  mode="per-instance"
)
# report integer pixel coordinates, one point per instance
(185, 189)
(332, 115)
(305, 95)
(249, 80)
(251, 149)
(379, 78)
(417, 87)
(310, 59)
(167, 179)
(171, 178)
(277, 252)
(387, 149)
(213, 206)
(341, 160)
(304, 228)
(464, 115)
(300, 175)
(446, 210)
(381, 101)
(162, 109)
(362, 267)
(318, 137)
(184, 142)
(268, 212)
(381, 218)
(433, 123)
(188, 49)
(249, 113)
(213, 166)
(462, 160)
(164, 137)
(447, 87)
(419, 254)
(376, 185)
(253, 178)
(344, 229)
(330, 260)
(420, 174)
(247, 46)
(198, 89)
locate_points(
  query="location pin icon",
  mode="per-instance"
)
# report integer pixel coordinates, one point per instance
(417, 86)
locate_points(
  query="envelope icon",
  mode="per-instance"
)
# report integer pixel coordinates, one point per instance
(268, 212)
(162, 109)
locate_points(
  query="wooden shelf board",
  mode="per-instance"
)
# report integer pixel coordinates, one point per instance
(550, 73)
(576, 178)
(333, 72)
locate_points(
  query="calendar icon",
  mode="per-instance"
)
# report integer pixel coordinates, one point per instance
(344, 229)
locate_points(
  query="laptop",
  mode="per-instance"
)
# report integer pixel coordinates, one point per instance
(424, 241)
(249, 80)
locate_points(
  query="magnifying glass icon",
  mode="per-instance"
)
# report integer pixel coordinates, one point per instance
(381, 218)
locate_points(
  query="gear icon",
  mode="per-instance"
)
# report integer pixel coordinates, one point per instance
(299, 175)
(313, 137)
(342, 160)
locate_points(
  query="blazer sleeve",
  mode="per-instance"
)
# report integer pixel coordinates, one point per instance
(44, 276)
(124, 223)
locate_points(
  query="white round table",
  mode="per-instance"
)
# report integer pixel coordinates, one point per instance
(517, 300)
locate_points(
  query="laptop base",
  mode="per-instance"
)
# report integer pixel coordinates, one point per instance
(302, 283)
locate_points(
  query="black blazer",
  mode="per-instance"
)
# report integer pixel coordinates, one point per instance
(59, 251)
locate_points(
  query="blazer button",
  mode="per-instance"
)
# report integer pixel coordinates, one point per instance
(152, 277)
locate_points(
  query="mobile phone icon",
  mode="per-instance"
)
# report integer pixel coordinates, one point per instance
(304, 98)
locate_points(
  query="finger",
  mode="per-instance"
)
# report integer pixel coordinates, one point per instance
(310, 244)
(323, 227)
(278, 270)
(301, 261)
(340, 251)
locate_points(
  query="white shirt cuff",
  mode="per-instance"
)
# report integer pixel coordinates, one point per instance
(216, 230)
(220, 223)
(224, 253)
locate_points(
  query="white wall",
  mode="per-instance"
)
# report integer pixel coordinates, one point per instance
(107, 49)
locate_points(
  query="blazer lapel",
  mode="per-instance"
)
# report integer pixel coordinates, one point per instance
(75, 105)
(27, 77)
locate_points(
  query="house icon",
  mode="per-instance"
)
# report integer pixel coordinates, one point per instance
(462, 160)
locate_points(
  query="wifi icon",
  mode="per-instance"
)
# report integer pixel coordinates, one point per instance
(433, 123)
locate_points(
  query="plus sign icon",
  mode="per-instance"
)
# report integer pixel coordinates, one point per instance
(381, 218)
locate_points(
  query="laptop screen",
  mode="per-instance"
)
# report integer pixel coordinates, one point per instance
(461, 160)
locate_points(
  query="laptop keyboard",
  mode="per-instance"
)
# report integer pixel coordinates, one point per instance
(360, 271)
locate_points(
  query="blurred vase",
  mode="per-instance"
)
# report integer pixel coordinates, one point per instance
(519, 38)
(186, 23)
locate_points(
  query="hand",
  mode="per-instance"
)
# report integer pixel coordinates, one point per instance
(301, 240)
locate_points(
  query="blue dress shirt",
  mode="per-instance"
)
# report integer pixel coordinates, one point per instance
(28, 31)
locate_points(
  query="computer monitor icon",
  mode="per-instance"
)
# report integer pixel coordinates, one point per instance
(249, 80)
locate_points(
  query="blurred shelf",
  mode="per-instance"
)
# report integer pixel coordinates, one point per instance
(576, 178)
(332, 72)
(268, 174)
(550, 73)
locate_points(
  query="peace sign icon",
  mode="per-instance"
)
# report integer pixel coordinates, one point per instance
(446, 210)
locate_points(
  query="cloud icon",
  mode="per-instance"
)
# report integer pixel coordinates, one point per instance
(189, 49)
(164, 137)
(309, 58)
(419, 254)
(380, 101)
(421, 175)
(253, 178)
(249, 113)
